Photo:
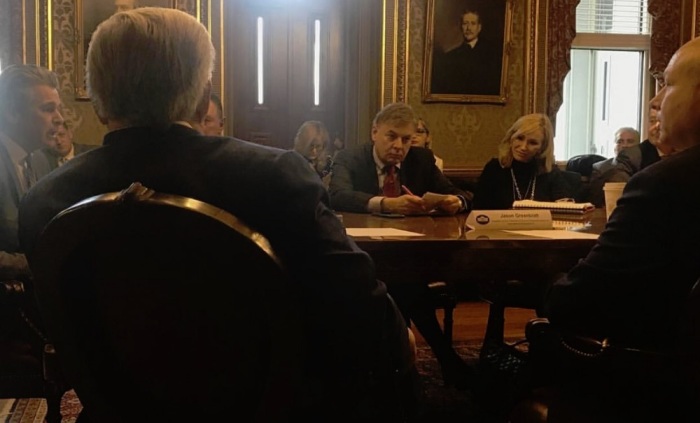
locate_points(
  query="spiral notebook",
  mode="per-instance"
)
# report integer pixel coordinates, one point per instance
(563, 207)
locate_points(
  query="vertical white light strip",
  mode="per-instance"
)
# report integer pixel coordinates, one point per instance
(261, 74)
(317, 62)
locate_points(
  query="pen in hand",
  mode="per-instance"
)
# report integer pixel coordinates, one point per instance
(407, 191)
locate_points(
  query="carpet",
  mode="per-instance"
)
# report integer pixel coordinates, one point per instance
(489, 402)
(441, 403)
(446, 403)
(33, 410)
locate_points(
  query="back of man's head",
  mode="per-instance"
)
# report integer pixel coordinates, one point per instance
(149, 67)
(396, 114)
(15, 81)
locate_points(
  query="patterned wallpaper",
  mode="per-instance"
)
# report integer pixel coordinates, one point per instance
(87, 128)
(466, 135)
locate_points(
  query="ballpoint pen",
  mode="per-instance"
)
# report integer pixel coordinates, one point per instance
(406, 190)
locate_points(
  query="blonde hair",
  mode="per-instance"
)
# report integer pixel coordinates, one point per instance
(527, 125)
(149, 66)
(303, 138)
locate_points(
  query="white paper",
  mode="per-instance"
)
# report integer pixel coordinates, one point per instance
(556, 234)
(432, 199)
(380, 232)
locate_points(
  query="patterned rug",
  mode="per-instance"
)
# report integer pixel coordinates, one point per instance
(33, 410)
(442, 403)
(488, 403)
(446, 403)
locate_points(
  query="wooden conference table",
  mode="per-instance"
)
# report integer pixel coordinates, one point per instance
(450, 252)
(489, 260)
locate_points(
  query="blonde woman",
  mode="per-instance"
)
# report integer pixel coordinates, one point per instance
(524, 168)
(311, 141)
(421, 138)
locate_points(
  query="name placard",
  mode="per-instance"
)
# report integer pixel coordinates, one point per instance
(509, 219)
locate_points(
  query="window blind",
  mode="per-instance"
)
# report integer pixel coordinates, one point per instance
(612, 17)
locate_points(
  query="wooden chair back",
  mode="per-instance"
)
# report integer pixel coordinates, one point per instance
(165, 308)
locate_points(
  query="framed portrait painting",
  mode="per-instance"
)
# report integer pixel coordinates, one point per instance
(89, 14)
(466, 51)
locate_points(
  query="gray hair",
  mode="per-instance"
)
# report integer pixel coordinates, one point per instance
(149, 66)
(15, 80)
(627, 129)
(395, 113)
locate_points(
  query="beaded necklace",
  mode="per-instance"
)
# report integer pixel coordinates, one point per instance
(516, 188)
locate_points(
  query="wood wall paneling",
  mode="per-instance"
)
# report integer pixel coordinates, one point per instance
(465, 135)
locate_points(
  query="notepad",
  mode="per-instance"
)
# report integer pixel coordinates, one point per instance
(565, 207)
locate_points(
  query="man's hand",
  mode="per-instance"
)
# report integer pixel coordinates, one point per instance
(451, 204)
(405, 204)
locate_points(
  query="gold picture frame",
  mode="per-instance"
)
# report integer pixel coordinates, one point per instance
(467, 50)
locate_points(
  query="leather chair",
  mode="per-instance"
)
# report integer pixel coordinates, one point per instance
(583, 165)
(165, 308)
(641, 385)
(28, 363)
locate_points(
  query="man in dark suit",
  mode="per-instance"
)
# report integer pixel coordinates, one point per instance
(359, 173)
(633, 286)
(59, 150)
(472, 68)
(359, 184)
(29, 116)
(630, 160)
(356, 334)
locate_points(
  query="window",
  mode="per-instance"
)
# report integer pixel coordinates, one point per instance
(606, 87)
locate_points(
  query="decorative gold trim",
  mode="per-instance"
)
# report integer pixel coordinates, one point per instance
(501, 97)
(532, 53)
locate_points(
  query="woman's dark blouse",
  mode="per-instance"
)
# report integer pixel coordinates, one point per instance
(494, 190)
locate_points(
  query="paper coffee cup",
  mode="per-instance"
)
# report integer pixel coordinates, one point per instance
(613, 191)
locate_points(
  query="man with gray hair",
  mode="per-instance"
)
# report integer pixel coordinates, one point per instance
(147, 71)
(634, 287)
(606, 170)
(30, 115)
(386, 175)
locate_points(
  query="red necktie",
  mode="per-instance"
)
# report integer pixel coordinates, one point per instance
(390, 187)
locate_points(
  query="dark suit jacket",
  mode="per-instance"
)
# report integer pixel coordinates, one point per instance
(621, 168)
(467, 70)
(43, 160)
(633, 285)
(12, 262)
(495, 191)
(354, 178)
(276, 193)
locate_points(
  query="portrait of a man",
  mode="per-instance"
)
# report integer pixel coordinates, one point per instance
(467, 56)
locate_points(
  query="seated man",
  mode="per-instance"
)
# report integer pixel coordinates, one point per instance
(634, 284)
(357, 335)
(30, 114)
(606, 170)
(56, 152)
(387, 175)
(213, 122)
